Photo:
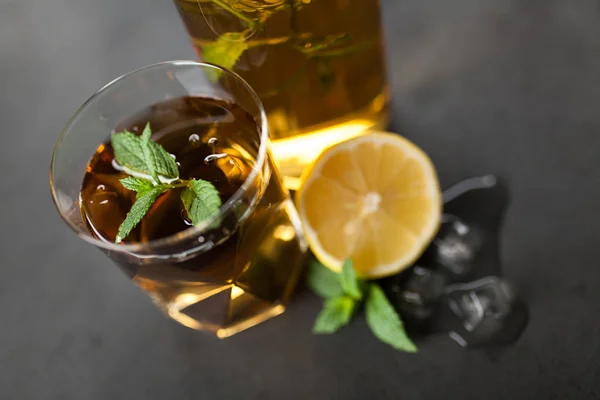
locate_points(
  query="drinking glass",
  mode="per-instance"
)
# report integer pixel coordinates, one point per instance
(220, 278)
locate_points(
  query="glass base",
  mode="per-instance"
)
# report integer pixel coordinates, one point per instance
(223, 310)
(246, 285)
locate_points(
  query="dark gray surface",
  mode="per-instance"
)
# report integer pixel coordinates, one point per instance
(505, 86)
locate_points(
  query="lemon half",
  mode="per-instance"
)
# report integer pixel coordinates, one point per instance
(375, 199)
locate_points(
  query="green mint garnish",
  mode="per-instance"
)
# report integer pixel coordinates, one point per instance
(343, 294)
(158, 160)
(128, 151)
(201, 200)
(150, 162)
(141, 154)
(138, 185)
(335, 314)
(139, 209)
(385, 322)
(323, 281)
(348, 281)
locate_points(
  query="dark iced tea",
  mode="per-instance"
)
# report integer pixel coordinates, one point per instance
(235, 274)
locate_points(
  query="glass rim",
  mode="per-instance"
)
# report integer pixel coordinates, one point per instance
(193, 230)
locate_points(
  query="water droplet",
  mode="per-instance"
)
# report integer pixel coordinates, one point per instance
(116, 165)
(135, 129)
(214, 157)
(194, 138)
(212, 142)
(201, 239)
(100, 187)
(185, 218)
(104, 201)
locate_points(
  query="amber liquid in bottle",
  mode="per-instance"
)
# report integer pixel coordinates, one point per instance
(318, 67)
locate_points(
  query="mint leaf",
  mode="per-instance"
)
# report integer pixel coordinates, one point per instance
(385, 322)
(201, 200)
(141, 154)
(336, 314)
(224, 52)
(323, 281)
(128, 151)
(138, 210)
(348, 280)
(136, 184)
(158, 160)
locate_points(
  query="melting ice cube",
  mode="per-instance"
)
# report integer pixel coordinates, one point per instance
(457, 246)
(466, 248)
(467, 243)
(486, 311)
(416, 295)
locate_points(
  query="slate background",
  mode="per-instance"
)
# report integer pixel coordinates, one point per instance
(504, 86)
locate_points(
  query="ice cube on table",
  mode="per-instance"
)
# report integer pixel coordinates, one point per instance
(457, 246)
(467, 244)
(416, 295)
(485, 311)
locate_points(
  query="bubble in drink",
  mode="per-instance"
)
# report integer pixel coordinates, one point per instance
(213, 157)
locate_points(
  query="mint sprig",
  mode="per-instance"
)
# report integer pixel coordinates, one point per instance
(201, 200)
(344, 293)
(140, 154)
(323, 281)
(154, 171)
(336, 313)
(157, 159)
(139, 209)
(384, 322)
(138, 185)
(349, 282)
